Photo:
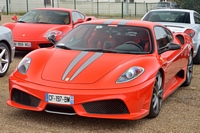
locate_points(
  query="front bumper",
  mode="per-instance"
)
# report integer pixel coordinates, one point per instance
(35, 44)
(121, 103)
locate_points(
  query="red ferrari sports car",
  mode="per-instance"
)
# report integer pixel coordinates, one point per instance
(117, 69)
(31, 30)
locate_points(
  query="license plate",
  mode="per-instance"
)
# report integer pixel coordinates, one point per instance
(59, 99)
(22, 44)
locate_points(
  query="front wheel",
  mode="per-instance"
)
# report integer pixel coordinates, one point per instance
(156, 100)
(189, 71)
(4, 59)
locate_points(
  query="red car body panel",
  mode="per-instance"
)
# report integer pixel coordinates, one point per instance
(34, 32)
(97, 81)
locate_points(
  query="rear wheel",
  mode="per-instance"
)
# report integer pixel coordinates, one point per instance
(189, 71)
(197, 57)
(156, 101)
(4, 59)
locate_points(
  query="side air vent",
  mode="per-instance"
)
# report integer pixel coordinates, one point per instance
(180, 38)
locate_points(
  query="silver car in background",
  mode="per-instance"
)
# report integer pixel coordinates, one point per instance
(179, 20)
(7, 49)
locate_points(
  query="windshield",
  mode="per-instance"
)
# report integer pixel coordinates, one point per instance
(46, 17)
(105, 38)
(168, 16)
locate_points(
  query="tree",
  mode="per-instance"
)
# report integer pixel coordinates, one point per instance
(189, 4)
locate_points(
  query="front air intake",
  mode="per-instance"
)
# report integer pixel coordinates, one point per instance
(114, 106)
(24, 98)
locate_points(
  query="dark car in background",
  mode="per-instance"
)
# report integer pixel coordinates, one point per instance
(167, 5)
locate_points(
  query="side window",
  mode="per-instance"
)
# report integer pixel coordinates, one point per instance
(75, 16)
(163, 36)
(82, 16)
(197, 18)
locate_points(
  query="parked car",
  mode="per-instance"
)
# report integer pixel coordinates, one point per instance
(117, 69)
(167, 5)
(31, 30)
(7, 49)
(179, 20)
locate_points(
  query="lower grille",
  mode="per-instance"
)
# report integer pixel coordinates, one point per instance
(24, 98)
(114, 106)
(59, 109)
(45, 45)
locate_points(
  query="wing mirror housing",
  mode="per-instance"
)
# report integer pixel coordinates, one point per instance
(14, 18)
(52, 39)
(168, 47)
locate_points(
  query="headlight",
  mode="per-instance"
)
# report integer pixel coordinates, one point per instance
(52, 32)
(130, 74)
(24, 65)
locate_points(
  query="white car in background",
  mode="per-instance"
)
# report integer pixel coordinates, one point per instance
(7, 49)
(179, 20)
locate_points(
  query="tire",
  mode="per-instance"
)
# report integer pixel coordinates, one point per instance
(189, 71)
(196, 59)
(156, 100)
(4, 59)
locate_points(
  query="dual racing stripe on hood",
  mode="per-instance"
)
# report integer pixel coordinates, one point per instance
(83, 66)
(80, 66)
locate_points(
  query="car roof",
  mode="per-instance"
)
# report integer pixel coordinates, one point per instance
(138, 23)
(57, 9)
(182, 10)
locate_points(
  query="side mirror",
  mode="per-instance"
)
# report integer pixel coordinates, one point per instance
(52, 39)
(14, 18)
(168, 47)
(173, 46)
(79, 21)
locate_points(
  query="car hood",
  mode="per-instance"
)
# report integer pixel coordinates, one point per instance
(81, 66)
(178, 27)
(30, 30)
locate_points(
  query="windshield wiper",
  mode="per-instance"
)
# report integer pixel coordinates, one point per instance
(21, 21)
(42, 22)
(100, 50)
(63, 47)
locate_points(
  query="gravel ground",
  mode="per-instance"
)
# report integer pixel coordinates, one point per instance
(180, 113)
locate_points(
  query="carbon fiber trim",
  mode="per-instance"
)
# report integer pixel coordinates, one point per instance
(59, 109)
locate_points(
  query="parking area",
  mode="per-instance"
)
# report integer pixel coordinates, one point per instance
(180, 113)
